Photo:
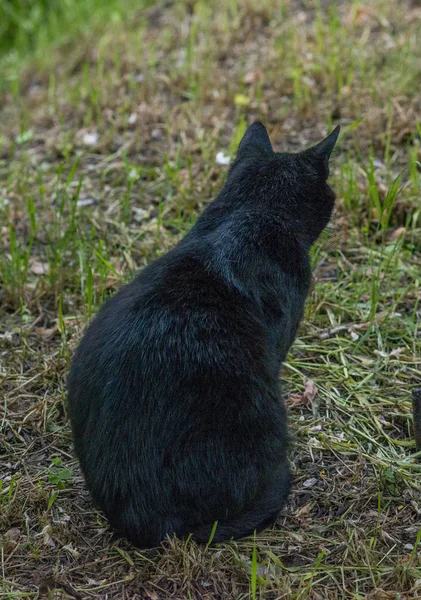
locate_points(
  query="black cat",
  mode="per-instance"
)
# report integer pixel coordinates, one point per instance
(174, 398)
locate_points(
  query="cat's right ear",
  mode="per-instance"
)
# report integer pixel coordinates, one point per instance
(319, 155)
(256, 136)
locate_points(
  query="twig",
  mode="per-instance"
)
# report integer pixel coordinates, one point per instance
(352, 326)
(416, 410)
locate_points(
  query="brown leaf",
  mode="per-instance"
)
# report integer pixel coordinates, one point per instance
(48, 586)
(310, 391)
(184, 178)
(11, 538)
(304, 399)
(304, 511)
(252, 76)
(358, 15)
(397, 233)
(294, 400)
(13, 534)
(48, 333)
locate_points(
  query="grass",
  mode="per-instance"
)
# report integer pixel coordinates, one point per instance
(110, 131)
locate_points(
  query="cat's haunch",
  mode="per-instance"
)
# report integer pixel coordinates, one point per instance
(173, 394)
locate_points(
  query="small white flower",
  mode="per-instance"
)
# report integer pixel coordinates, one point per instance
(133, 174)
(222, 159)
(90, 138)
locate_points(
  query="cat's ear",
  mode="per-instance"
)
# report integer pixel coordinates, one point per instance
(320, 153)
(324, 148)
(256, 136)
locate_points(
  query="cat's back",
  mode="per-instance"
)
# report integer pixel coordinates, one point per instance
(177, 324)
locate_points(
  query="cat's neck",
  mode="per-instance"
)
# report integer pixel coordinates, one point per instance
(242, 251)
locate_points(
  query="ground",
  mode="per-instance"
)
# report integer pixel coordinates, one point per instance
(107, 155)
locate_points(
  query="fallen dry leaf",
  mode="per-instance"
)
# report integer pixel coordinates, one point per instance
(46, 538)
(304, 399)
(13, 534)
(252, 76)
(47, 332)
(397, 233)
(304, 511)
(394, 352)
(184, 178)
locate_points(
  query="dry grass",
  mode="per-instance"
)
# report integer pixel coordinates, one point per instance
(108, 153)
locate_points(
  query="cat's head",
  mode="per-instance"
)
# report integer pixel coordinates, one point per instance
(291, 185)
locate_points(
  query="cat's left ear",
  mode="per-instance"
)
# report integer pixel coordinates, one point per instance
(322, 151)
(256, 136)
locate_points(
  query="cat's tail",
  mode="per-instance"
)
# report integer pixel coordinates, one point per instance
(261, 515)
(148, 537)
(148, 532)
(245, 526)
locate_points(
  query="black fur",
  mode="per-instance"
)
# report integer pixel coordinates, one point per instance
(174, 397)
